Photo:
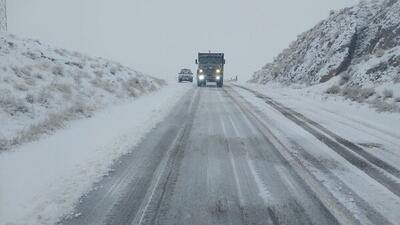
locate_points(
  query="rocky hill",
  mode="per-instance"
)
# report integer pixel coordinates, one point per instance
(359, 44)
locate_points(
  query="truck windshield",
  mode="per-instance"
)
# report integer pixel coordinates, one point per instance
(210, 60)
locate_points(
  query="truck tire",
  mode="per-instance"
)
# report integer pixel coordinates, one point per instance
(220, 83)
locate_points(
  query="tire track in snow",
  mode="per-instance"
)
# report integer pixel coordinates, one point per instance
(262, 188)
(328, 204)
(366, 209)
(234, 168)
(150, 207)
(364, 161)
(263, 192)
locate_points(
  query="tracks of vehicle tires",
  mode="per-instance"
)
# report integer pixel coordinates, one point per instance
(376, 168)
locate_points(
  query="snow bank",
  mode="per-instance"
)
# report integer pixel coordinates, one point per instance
(43, 180)
(41, 88)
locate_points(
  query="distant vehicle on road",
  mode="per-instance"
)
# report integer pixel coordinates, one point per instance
(185, 75)
(210, 69)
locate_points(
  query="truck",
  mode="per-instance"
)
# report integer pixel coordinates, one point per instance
(210, 69)
(185, 75)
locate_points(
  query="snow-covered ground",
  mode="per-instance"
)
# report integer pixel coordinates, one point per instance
(377, 134)
(43, 180)
(41, 88)
(338, 113)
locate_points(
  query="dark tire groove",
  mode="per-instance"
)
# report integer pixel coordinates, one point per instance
(355, 148)
(152, 215)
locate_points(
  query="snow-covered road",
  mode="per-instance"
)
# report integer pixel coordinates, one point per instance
(243, 155)
(236, 156)
(208, 163)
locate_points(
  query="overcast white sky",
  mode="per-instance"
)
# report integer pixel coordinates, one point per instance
(161, 36)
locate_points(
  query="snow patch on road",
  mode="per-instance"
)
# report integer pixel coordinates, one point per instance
(262, 190)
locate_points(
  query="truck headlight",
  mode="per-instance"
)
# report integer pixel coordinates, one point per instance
(201, 77)
(218, 71)
(200, 70)
(218, 78)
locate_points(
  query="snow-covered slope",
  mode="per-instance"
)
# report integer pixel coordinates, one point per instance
(42, 87)
(361, 44)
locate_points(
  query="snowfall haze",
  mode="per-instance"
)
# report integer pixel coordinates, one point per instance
(309, 134)
(159, 37)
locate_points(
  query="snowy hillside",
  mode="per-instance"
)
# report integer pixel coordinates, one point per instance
(41, 88)
(360, 45)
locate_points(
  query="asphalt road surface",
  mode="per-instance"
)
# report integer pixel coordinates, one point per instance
(209, 162)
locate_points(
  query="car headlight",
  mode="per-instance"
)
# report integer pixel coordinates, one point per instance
(218, 71)
(201, 77)
(200, 70)
(218, 77)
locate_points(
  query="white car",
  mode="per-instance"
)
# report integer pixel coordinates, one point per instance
(185, 75)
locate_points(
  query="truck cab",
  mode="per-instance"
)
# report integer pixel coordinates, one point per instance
(210, 69)
(185, 75)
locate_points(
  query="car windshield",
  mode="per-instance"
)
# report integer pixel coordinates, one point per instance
(185, 71)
